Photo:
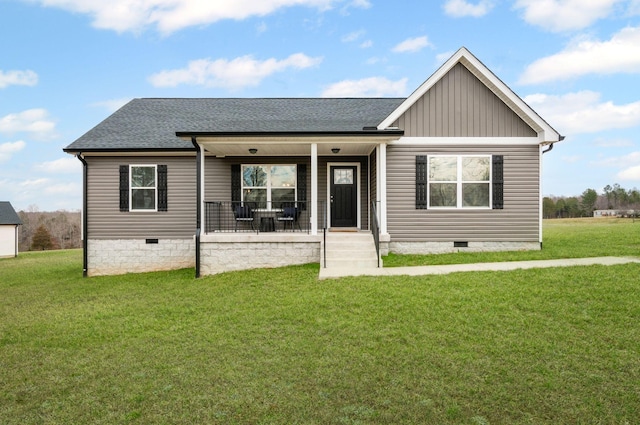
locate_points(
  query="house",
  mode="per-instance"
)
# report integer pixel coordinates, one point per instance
(9, 222)
(227, 184)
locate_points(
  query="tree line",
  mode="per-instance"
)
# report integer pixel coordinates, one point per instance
(624, 202)
(49, 230)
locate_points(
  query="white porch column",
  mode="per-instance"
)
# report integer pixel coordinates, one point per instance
(381, 165)
(202, 191)
(314, 189)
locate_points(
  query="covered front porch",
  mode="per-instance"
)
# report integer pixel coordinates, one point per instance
(267, 201)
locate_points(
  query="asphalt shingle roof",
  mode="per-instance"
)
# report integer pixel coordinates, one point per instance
(153, 123)
(7, 214)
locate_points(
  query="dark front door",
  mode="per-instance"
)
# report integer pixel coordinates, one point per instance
(344, 196)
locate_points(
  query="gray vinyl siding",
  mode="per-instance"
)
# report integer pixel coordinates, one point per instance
(460, 105)
(218, 178)
(373, 185)
(518, 221)
(104, 219)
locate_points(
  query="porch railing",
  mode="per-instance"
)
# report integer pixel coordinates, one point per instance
(375, 229)
(259, 217)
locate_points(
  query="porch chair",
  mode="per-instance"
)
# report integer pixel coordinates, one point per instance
(289, 216)
(243, 214)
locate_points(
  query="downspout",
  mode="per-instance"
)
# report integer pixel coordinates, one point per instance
(560, 139)
(85, 227)
(198, 203)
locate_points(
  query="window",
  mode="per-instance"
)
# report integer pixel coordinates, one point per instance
(268, 185)
(143, 187)
(459, 181)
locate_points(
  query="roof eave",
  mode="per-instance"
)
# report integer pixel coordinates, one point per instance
(254, 134)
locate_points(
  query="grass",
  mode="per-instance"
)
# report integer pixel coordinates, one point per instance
(567, 238)
(543, 346)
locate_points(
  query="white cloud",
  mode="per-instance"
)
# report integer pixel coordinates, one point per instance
(368, 87)
(631, 173)
(34, 121)
(412, 45)
(613, 143)
(18, 78)
(583, 112)
(572, 159)
(172, 15)
(353, 36)
(628, 160)
(9, 148)
(34, 183)
(262, 27)
(69, 165)
(237, 73)
(63, 189)
(565, 15)
(462, 8)
(629, 165)
(620, 54)
(112, 105)
(443, 57)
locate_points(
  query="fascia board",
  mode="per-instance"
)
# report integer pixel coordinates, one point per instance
(455, 141)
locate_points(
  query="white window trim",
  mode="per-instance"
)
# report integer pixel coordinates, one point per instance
(155, 188)
(459, 182)
(268, 187)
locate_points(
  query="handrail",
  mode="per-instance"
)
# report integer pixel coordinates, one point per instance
(325, 213)
(375, 229)
(256, 217)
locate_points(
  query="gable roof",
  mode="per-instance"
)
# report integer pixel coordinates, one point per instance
(7, 214)
(491, 81)
(152, 124)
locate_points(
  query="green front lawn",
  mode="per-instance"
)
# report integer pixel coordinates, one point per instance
(568, 238)
(543, 346)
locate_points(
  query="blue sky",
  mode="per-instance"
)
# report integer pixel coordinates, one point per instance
(65, 65)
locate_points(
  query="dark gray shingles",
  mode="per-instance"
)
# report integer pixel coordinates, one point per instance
(152, 123)
(7, 214)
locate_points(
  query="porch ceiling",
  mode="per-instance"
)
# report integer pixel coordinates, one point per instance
(279, 146)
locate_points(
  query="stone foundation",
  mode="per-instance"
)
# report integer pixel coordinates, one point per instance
(111, 257)
(219, 254)
(447, 247)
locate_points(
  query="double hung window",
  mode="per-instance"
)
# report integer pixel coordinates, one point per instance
(268, 186)
(459, 181)
(143, 187)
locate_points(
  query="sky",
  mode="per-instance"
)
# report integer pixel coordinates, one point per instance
(66, 65)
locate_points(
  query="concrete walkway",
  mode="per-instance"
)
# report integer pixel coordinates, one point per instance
(474, 267)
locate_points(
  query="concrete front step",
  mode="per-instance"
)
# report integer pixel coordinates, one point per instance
(351, 250)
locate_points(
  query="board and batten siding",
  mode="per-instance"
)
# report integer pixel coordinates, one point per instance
(460, 105)
(518, 221)
(104, 219)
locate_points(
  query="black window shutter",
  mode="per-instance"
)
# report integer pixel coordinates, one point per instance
(302, 185)
(124, 188)
(162, 188)
(421, 182)
(498, 181)
(236, 183)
